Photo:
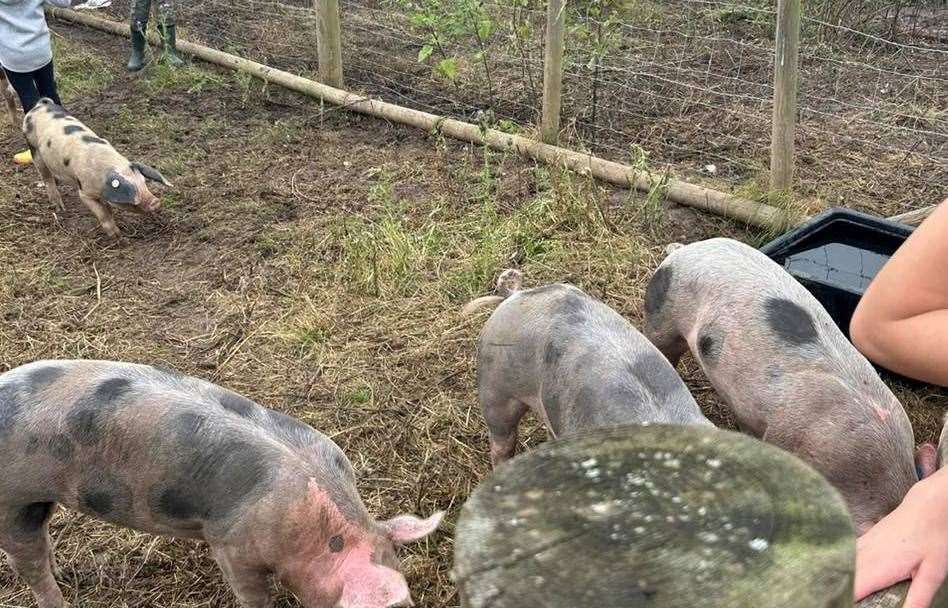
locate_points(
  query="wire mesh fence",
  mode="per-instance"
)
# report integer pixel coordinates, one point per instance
(683, 85)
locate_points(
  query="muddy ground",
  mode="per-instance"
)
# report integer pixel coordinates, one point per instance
(315, 261)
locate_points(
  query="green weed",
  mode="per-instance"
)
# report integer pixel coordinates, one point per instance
(79, 72)
(161, 77)
(358, 395)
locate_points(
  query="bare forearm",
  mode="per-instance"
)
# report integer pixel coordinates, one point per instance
(916, 347)
(902, 321)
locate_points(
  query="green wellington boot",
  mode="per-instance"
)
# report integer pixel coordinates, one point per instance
(169, 42)
(137, 60)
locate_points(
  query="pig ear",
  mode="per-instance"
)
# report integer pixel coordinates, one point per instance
(117, 190)
(925, 460)
(150, 173)
(406, 529)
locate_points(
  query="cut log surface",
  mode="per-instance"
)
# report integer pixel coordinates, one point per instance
(656, 516)
(893, 597)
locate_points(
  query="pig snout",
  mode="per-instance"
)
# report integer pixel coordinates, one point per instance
(374, 587)
(149, 204)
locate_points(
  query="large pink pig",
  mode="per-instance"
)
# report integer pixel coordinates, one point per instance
(169, 454)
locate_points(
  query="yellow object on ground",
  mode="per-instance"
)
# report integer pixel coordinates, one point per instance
(23, 158)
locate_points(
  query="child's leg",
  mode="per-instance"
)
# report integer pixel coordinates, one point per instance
(45, 80)
(25, 87)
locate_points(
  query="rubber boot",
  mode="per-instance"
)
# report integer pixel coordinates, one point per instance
(23, 158)
(169, 41)
(137, 60)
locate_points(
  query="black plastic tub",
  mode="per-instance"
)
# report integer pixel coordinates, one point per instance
(836, 255)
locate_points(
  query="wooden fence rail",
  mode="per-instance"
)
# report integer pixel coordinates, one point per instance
(722, 203)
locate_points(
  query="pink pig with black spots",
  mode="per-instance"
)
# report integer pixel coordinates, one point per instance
(775, 356)
(169, 454)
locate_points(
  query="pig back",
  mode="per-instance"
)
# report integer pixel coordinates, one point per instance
(68, 148)
(789, 374)
(151, 449)
(586, 364)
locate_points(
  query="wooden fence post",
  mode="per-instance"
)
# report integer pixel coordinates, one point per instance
(553, 71)
(786, 85)
(329, 42)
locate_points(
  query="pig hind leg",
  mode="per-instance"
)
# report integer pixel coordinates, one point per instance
(502, 415)
(51, 189)
(24, 536)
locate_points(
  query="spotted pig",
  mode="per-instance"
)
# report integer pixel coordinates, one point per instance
(64, 149)
(572, 360)
(791, 377)
(169, 454)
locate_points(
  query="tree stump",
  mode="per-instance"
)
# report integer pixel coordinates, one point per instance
(656, 516)
(893, 597)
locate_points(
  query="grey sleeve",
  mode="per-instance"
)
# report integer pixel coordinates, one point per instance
(60, 3)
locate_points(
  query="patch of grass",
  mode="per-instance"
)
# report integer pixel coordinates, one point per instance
(212, 126)
(508, 126)
(310, 337)
(159, 76)
(760, 20)
(757, 188)
(130, 126)
(269, 243)
(650, 210)
(361, 394)
(79, 71)
(280, 132)
(148, 125)
(44, 278)
(642, 12)
(246, 84)
(309, 330)
(458, 252)
(171, 199)
(387, 256)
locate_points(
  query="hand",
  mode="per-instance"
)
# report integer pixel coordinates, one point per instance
(911, 542)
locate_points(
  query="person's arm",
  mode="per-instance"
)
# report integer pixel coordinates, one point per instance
(59, 3)
(901, 323)
(911, 542)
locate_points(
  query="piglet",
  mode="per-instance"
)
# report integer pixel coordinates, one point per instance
(792, 378)
(174, 455)
(66, 150)
(572, 360)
